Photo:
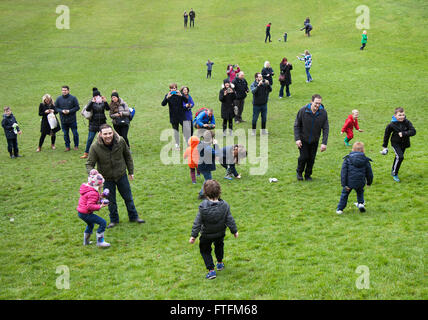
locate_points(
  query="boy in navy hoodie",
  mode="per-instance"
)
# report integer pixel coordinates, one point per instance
(356, 170)
(208, 150)
(11, 131)
(400, 129)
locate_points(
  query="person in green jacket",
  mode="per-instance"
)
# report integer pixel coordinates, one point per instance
(112, 156)
(363, 40)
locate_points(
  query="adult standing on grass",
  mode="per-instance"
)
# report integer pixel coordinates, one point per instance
(175, 101)
(241, 89)
(285, 77)
(267, 72)
(186, 17)
(192, 16)
(112, 156)
(227, 97)
(307, 57)
(310, 120)
(209, 68)
(120, 115)
(260, 89)
(97, 105)
(268, 32)
(67, 106)
(188, 116)
(45, 108)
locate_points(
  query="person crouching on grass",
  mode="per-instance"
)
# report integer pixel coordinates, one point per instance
(356, 170)
(211, 221)
(89, 202)
(229, 157)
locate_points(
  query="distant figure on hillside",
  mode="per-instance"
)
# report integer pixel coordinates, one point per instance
(363, 40)
(307, 27)
(268, 31)
(209, 68)
(185, 16)
(192, 16)
(307, 57)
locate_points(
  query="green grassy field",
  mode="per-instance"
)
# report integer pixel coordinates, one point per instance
(292, 244)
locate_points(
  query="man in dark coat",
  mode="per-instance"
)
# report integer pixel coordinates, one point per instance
(260, 89)
(192, 16)
(67, 106)
(310, 120)
(175, 101)
(268, 32)
(241, 89)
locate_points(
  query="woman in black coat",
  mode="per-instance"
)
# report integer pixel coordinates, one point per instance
(285, 77)
(97, 106)
(45, 108)
(227, 96)
(267, 72)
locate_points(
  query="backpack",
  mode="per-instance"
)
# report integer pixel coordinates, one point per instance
(199, 111)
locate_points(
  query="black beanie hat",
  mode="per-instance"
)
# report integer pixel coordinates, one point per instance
(95, 92)
(115, 94)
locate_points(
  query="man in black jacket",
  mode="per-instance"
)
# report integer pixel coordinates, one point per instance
(241, 89)
(67, 106)
(260, 89)
(192, 16)
(310, 120)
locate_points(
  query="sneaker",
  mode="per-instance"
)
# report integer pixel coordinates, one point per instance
(360, 206)
(339, 211)
(228, 177)
(12, 156)
(265, 132)
(299, 176)
(53, 147)
(112, 225)
(211, 275)
(308, 178)
(220, 266)
(177, 147)
(137, 220)
(280, 97)
(38, 149)
(253, 132)
(396, 179)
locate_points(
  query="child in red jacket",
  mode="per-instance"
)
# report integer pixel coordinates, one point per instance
(89, 202)
(348, 127)
(192, 156)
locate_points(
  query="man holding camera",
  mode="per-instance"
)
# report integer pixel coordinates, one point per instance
(260, 89)
(241, 89)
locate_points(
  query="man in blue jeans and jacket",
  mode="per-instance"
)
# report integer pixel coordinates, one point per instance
(67, 106)
(260, 89)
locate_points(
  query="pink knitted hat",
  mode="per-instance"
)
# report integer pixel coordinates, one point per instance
(95, 179)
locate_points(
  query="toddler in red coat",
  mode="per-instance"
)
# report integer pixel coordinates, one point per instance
(90, 201)
(348, 127)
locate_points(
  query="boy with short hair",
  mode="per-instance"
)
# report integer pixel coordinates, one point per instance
(348, 127)
(211, 221)
(356, 170)
(400, 129)
(11, 131)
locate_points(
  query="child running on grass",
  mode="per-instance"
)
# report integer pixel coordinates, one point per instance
(363, 40)
(400, 130)
(356, 171)
(11, 131)
(89, 202)
(229, 157)
(348, 127)
(192, 156)
(211, 221)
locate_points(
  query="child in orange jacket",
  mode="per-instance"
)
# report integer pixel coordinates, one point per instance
(192, 156)
(348, 127)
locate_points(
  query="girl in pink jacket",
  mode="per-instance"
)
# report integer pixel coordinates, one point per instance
(89, 202)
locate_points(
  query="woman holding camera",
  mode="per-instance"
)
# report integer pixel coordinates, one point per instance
(120, 115)
(227, 96)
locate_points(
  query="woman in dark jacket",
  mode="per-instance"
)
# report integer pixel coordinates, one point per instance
(285, 77)
(227, 97)
(267, 72)
(97, 106)
(45, 108)
(120, 115)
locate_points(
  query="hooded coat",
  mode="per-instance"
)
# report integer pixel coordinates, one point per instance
(89, 199)
(7, 124)
(192, 153)
(394, 128)
(212, 220)
(356, 171)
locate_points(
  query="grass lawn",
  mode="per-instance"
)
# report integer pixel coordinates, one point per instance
(292, 244)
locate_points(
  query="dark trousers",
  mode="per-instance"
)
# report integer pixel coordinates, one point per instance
(123, 132)
(192, 22)
(256, 111)
(363, 46)
(205, 249)
(91, 219)
(66, 129)
(125, 191)
(43, 136)
(12, 146)
(208, 73)
(398, 160)
(230, 168)
(225, 121)
(240, 104)
(267, 35)
(287, 90)
(306, 161)
(344, 197)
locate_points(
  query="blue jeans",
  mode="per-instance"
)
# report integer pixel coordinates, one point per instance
(287, 90)
(91, 136)
(344, 197)
(125, 191)
(92, 219)
(65, 128)
(308, 75)
(256, 111)
(207, 176)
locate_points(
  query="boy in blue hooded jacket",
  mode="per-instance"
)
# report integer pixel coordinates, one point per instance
(356, 171)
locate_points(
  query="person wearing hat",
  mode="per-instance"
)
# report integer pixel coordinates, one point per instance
(227, 96)
(120, 115)
(97, 106)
